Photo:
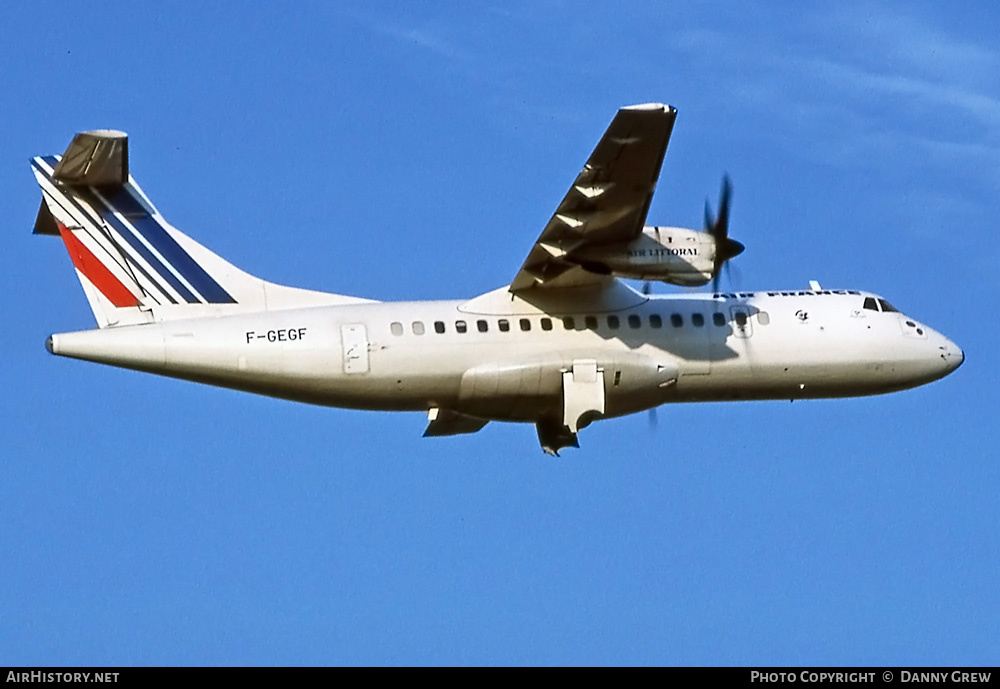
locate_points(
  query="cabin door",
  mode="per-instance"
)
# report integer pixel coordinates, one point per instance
(355, 340)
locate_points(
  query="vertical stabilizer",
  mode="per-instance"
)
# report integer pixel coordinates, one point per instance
(134, 266)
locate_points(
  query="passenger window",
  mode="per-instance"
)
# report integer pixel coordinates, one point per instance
(763, 318)
(590, 322)
(439, 326)
(418, 327)
(525, 325)
(569, 323)
(546, 324)
(870, 304)
(460, 326)
(741, 319)
(483, 326)
(634, 322)
(719, 319)
(676, 320)
(503, 324)
(887, 307)
(396, 328)
(697, 320)
(613, 322)
(655, 321)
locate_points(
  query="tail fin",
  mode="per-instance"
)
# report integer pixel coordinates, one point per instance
(133, 265)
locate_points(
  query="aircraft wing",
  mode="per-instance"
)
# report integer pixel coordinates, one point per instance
(608, 201)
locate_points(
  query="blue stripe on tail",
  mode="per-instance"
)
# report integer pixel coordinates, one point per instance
(140, 248)
(154, 263)
(122, 201)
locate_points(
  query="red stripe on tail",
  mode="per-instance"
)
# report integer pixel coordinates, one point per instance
(95, 271)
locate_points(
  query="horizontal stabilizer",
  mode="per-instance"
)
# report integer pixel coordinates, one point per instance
(95, 159)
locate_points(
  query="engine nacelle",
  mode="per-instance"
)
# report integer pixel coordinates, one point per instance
(670, 254)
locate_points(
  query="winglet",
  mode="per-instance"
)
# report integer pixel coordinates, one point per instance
(95, 159)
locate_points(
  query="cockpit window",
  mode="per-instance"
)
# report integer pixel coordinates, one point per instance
(870, 304)
(887, 307)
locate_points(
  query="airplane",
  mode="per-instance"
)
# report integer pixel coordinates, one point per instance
(566, 343)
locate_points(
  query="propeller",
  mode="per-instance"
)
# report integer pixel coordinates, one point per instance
(725, 248)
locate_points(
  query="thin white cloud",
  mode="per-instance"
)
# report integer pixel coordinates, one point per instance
(980, 106)
(915, 43)
(891, 82)
(425, 39)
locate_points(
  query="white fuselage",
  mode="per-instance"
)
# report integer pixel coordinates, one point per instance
(564, 344)
(500, 357)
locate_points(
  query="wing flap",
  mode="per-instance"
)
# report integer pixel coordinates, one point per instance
(449, 422)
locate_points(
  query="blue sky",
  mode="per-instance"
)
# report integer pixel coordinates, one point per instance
(415, 151)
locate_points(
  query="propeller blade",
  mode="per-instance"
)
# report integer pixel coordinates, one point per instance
(653, 420)
(725, 248)
(722, 223)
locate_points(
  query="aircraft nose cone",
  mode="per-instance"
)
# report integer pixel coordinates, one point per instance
(953, 355)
